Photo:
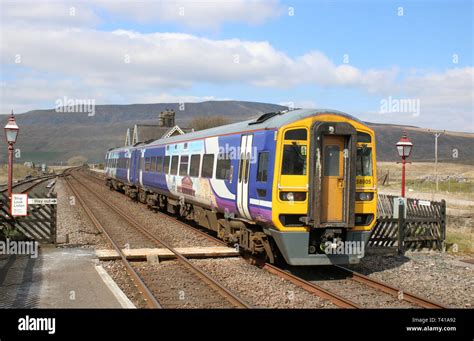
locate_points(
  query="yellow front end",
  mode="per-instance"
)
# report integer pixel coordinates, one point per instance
(286, 213)
(290, 201)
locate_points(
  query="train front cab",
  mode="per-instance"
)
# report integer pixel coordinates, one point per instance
(324, 198)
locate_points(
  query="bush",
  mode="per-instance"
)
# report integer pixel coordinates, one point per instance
(78, 160)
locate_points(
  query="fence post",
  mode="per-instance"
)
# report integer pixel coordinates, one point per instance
(401, 227)
(442, 223)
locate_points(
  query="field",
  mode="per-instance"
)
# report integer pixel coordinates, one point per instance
(456, 186)
(19, 172)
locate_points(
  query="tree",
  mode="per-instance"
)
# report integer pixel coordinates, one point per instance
(77, 160)
(206, 122)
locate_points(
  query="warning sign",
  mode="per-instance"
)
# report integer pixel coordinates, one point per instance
(19, 205)
(42, 201)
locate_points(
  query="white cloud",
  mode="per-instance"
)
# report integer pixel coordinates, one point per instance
(196, 14)
(454, 87)
(446, 100)
(173, 60)
(32, 93)
(48, 13)
(62, 55)
(169, 98)
(191, 13)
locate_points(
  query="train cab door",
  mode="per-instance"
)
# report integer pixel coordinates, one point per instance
(243, 176)
(333, 179)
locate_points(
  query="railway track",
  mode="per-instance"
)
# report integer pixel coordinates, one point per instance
(379, 289)
(34, 182)
(182, 268)
(389, 289)
(150, 300)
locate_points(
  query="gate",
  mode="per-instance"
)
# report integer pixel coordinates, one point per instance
(39, 224)
(423, 227)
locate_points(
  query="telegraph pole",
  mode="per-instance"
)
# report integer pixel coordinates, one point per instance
(436, 135)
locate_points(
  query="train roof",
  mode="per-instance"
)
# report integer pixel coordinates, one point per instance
(266, 121)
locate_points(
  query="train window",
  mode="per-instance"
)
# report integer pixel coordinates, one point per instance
(364, 162)
(194, 168)
(153, 164)
(331, 160)
(183, 165)
(174, 165)
(147, 164)
(223, 167)
(262, 172)
(296, 134)
(207, 165)
(128, 163)
(166, 167)
(363, 137)
(294, 159)
(159, 164)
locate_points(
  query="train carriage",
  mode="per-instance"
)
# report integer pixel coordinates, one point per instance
(299, 185)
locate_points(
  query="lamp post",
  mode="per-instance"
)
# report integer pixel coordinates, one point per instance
(11, 133)
(404, 147)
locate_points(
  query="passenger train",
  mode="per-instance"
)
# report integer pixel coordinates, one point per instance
(294, 185)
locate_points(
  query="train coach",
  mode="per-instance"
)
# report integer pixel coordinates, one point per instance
(296, 185)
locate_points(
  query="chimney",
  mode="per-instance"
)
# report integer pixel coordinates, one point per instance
(167, 118)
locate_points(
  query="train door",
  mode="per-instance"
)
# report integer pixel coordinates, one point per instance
(128, 156)
(333, 179)
(135, 166)
(243, 177)
(138, 167)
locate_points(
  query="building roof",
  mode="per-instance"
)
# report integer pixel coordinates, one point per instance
(150, 132)
(272, 122)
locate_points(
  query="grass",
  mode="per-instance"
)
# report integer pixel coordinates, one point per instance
(462, 238)
(443, 186)
(19, 172)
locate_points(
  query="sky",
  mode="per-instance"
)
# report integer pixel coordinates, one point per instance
(402, 62)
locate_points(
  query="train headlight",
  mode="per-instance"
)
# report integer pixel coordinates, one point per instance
(293, 196)
(364, 196)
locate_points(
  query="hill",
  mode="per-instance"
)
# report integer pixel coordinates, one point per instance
(50, 136)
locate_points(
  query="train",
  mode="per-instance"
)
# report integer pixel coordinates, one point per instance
(295, 186)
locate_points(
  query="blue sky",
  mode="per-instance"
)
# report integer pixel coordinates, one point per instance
(184, 51)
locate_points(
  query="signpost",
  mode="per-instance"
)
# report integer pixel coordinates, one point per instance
(42, 201)
(20, 202)
(19, 205)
